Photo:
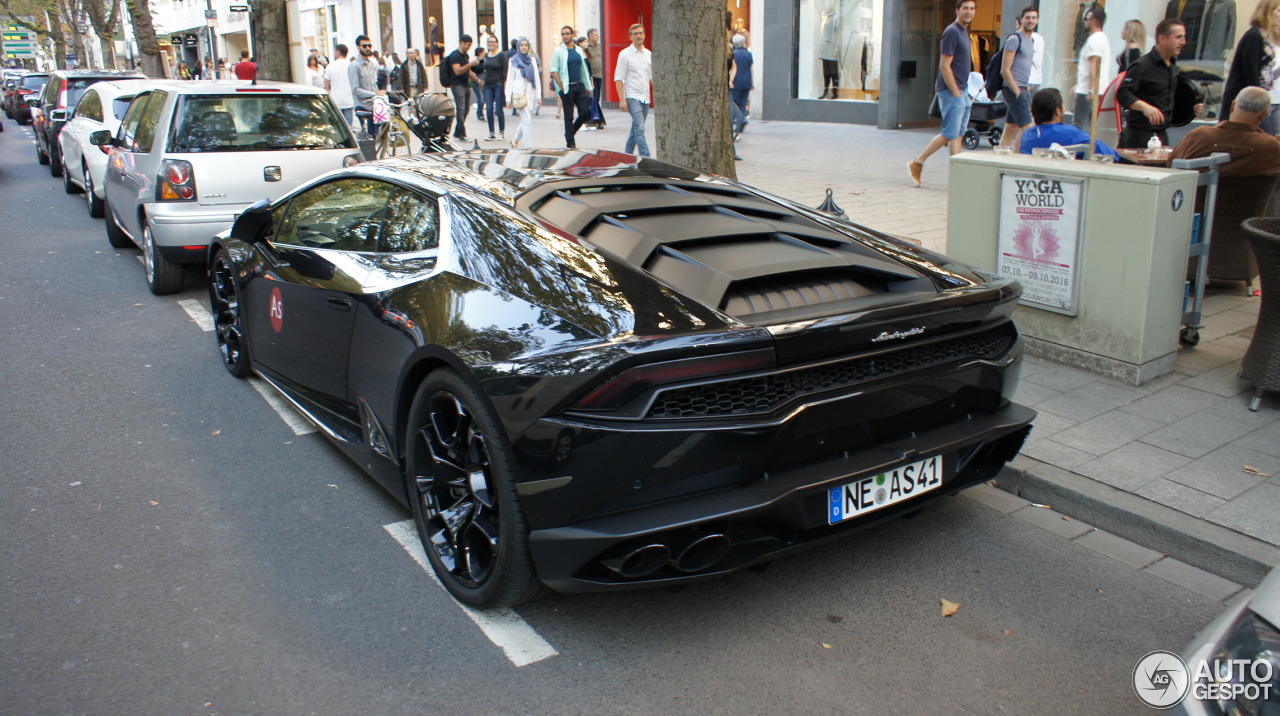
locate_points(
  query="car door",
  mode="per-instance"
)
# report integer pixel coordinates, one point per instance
(301, 311)
(75, 136)
(132, 169)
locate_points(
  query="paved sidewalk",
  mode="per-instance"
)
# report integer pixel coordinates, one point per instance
(1179, 465)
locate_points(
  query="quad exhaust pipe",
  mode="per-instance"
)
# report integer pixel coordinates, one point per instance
(689, 555)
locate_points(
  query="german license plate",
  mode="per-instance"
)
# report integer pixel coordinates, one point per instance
(873, 492)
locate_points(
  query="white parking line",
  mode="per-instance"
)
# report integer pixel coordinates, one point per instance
(299, 424)
(505, 628)
(198, 313)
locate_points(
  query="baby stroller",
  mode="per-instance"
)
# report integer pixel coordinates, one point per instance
(983, 116)
(431, 120)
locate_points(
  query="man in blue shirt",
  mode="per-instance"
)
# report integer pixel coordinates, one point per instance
(740, 84)
(571, 79)
(954, 66)
(1046, 109)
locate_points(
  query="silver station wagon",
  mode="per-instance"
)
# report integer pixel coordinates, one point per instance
(189, 157)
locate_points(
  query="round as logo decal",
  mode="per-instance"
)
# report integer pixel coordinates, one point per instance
(277, 310)
(1177, 200)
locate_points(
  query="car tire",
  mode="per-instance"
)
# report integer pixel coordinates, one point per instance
(472, 528)
(41, 156)
(163, 276)
(90, 197)
(68, 186)
(115, 235)
(228, 317)
(55, 161)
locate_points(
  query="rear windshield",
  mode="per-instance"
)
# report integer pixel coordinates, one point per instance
(76, 89)
(34, 82)
(256, 122)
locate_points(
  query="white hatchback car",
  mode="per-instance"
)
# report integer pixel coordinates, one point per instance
(188, 157)
(102, 107)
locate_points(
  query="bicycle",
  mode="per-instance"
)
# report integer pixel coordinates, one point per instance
(394, 136)
(428, 121)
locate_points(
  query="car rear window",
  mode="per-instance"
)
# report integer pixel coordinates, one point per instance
(33, 82)
(257, 122)
(76, 89)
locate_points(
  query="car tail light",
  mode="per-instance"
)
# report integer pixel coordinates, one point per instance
(626, 385)
(62, 95)
(351, 160)
(177, 181)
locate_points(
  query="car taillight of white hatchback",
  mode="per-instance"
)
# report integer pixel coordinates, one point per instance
(177, 181)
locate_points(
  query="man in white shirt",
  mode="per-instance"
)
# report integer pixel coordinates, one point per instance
(634, 78)
(340, 85)
(1094, 61)
(1037, 62)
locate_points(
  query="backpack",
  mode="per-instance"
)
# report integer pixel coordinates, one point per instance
(446, 73)
(991, 76)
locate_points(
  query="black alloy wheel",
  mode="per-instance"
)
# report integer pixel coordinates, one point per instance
(458, 478)
(228, 320)
(41, 156)
(95, 204)
(115, 235)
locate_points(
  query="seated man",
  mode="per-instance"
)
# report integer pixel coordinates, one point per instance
(1253, 151)
(1046, 110)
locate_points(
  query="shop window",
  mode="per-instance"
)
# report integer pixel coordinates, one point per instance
(839, 49)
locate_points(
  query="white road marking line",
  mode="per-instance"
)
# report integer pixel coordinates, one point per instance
(198, 313)
(506, 629)
(299, 424)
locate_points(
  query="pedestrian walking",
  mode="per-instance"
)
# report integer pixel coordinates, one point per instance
(1149, 86)
(595, 60)
(1257, 63)
(740, 80)
(1094, 61)
(457, 75)
(340, 84)
(315, 72)
(954, 67)
(571, 79)
(493, 80)
(363, 75)
(245, 69)
(412, 77)
(523, 90)
(633, 76)
(1016, 69)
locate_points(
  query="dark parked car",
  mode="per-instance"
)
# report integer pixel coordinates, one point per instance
(57, 102)
(8, 82)
(26, 94)
(591, 371)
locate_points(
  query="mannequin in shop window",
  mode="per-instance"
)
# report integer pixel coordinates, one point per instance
(829, 51)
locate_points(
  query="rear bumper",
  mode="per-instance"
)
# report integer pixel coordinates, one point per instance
(175, 225)
(775, 513)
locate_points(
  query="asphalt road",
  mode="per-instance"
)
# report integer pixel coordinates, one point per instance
(169, 545)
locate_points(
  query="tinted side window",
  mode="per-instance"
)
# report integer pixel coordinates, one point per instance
(129, 126)
(149, 121)
(90, 106)
(342, 215)
(413, 224)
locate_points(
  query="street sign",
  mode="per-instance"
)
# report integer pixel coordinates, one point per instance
(211, 18)
(238, 8)
(19, 42)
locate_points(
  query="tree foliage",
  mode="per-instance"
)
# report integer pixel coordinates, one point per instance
(691, 85)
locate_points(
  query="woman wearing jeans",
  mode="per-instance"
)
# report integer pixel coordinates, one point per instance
(493, 76)
(523, 86)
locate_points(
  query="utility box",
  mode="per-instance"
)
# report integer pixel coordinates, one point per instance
(1101, 250)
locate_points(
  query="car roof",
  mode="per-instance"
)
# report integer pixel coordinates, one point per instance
(105, 74)
(190, 87)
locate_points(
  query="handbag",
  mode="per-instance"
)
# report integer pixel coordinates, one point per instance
(519, 100)
(381, 111)
(595, 115)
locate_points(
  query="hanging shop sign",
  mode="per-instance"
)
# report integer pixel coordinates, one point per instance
(1039, 238)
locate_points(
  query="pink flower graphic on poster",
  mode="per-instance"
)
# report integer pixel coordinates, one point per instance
(1035, 242)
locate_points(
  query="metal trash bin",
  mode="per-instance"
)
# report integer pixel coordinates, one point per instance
(1261, 364)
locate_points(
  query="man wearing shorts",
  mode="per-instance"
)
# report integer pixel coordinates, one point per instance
(1019, 48)
(954, 67)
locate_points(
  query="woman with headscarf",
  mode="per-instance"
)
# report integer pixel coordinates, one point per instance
(523, 91)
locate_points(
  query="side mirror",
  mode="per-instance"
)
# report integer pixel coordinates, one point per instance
(58, 115)
(252, 225)
(101, 138)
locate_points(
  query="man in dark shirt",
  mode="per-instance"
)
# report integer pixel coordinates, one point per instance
(1149, 86)
(950, 90)
(412, 77)
(460, 75)
(571, 79)
(1253, 151)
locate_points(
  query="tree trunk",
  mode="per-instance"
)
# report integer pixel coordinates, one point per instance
(691, 85)
(270, 25)
(145, 33)
(105, 24)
